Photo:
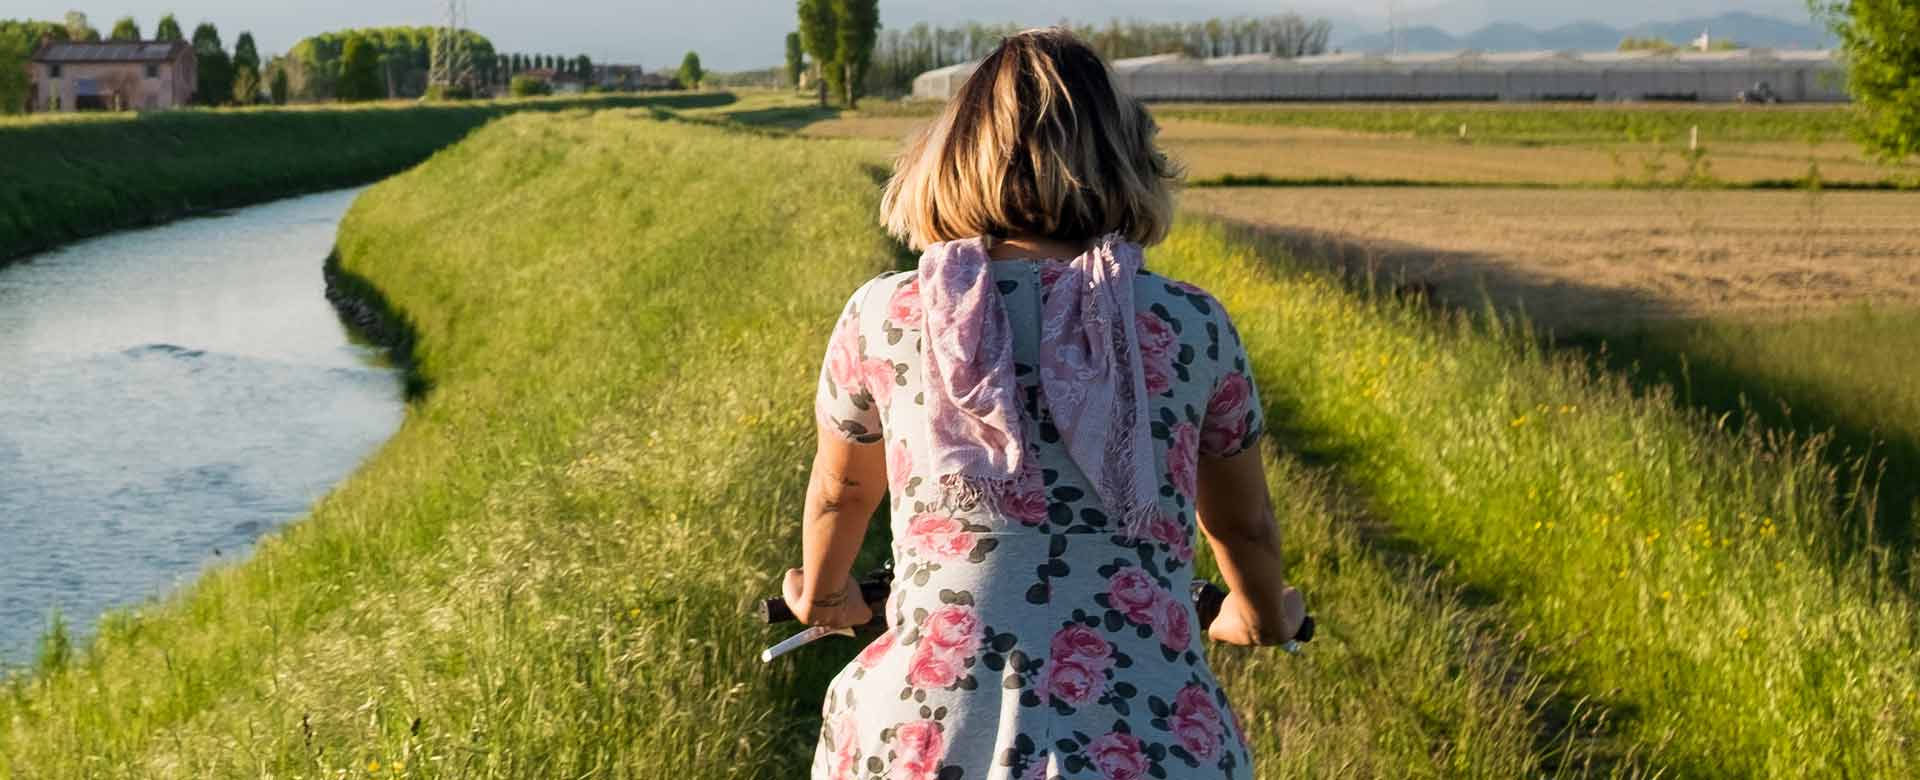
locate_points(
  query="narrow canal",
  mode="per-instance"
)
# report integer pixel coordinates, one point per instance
(167, 396)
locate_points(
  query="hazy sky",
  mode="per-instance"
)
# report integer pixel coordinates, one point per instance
(738, 34)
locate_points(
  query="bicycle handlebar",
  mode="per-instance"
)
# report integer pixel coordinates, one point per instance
(878, 586)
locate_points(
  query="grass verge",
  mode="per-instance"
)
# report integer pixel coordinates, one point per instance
(1828, 375)
(1703, 585)
(67, 178)
(546, 571)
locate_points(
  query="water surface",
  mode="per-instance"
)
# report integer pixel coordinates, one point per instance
(167, 396)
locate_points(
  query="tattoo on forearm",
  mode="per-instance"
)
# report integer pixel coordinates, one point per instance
(832, 599)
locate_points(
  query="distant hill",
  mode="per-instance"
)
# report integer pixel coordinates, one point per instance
(1744, 28)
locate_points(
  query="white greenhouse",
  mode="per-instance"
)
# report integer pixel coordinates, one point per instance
(1721, 76)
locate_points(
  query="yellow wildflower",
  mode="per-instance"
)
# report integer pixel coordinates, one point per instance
(373, 766)
(1519, 421)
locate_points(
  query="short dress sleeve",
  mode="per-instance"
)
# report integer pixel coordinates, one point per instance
(1235, 418)
(843, 404)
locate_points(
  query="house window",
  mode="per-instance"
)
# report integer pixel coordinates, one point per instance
(153, 71)
(53, 71)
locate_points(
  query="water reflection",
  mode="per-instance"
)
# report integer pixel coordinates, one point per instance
(166, 396)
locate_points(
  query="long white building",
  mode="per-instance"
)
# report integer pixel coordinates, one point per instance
(1720, 76)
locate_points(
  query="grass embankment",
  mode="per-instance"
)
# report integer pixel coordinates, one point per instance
(545, 572)
(1705, 587)
(63, 178)
(1840, 375)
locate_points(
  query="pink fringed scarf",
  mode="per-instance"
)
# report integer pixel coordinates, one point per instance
(1090, 373)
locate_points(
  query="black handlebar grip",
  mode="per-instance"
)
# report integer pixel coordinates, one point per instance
(1207, 598)
(874, 591)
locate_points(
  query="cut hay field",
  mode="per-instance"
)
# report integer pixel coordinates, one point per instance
(1524, 566)
(1219, 152)
(1585, 260)
(1535, 145)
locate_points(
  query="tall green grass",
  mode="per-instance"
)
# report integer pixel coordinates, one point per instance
(546, 572)
(73, 176)
(1547, 123)
(1835, 375)
(1701, 585)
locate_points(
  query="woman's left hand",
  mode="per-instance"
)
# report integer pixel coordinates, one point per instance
(845, 609)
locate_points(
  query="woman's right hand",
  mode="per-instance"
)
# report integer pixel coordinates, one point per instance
(844, 609)
(1239, 623)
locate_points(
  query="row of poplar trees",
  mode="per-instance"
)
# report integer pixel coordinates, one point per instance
(839, 35)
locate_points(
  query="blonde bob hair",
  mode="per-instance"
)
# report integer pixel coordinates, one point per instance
(1038, 143)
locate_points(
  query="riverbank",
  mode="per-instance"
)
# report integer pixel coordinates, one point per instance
(67, 178)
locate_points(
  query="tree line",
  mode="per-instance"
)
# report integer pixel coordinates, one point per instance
(893, 57)
(224, 78)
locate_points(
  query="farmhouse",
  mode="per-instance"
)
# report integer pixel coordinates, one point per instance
(111, 76)
(1719, 76)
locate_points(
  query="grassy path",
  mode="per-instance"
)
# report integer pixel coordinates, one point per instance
(1695, 579)
(546, 571)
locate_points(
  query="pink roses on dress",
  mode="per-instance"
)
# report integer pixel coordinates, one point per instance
(1029, 506)
(1134, 593)
(1227, 415)
(1171, 624)
(1168, 531)
(1119, 756)
(876, 651)
(843, 356)
(939, 537)
(918, 748)
(1196, 722)
(904, 309)
(948, 638)
(1183, 459)
(1157, 343)
(1077, 664)
(899, 468)
(846, 746)
(880, 378)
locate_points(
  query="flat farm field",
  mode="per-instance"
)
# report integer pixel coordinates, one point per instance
(1599, 259)
(1537, 146)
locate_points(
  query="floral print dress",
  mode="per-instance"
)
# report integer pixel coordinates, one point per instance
(1032, 639)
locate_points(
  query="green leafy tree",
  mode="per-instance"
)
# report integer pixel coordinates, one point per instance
(796, 59)
(246, 71)
(1647, 44)
(13, 74)
(857, 25)
(125, 30)
(817, 22)
(169, 30)
(278, 86)
(583, 65)
(528, 86)
(690, 72)
(78, 29)
(360, 72)
(215, 67)
(246, 85)
(1881, 39)
(245, 54)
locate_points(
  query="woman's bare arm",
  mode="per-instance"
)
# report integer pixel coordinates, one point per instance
(849, 481)
(1236, 514)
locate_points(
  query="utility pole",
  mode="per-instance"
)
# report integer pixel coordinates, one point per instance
(452, 61)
